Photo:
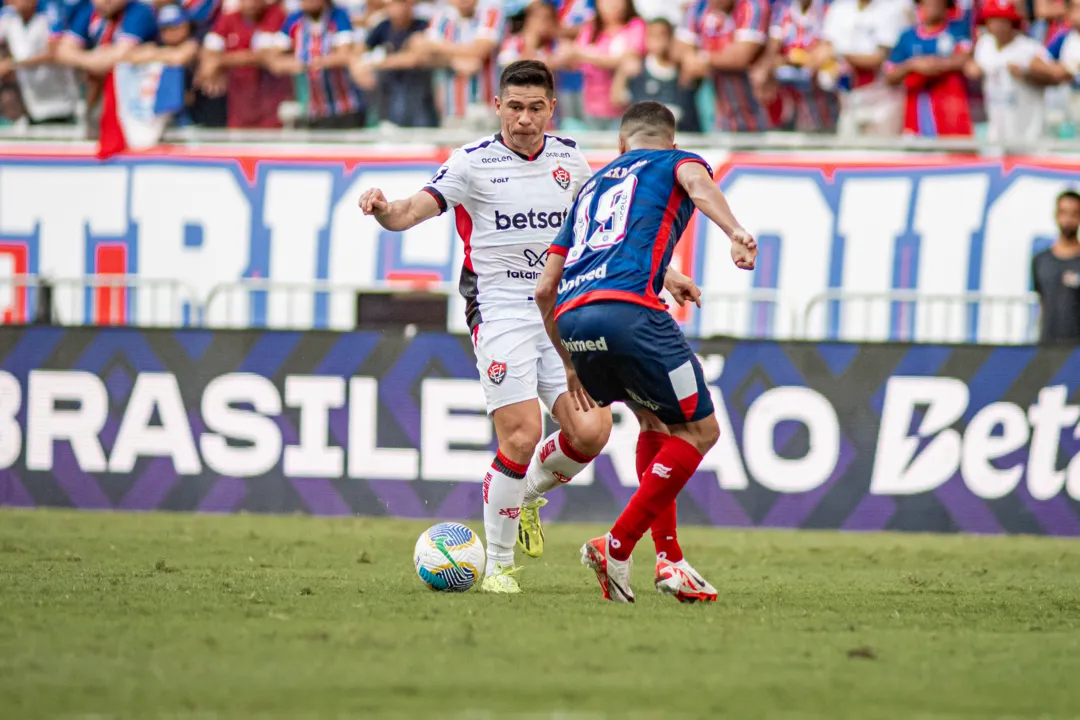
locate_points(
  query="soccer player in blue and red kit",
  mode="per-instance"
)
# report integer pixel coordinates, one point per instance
(928, 60)
(600, 298)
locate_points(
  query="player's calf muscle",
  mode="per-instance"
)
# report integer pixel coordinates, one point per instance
(518, 430)
(702, 434)
(588, 431)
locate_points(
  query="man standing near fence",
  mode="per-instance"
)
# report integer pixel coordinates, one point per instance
(1055, 276)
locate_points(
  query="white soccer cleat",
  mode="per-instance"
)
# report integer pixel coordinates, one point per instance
(683, 582)
(613, 575)
(502, 581)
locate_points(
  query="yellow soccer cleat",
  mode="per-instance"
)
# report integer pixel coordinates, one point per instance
(530, 531)
(502, 581)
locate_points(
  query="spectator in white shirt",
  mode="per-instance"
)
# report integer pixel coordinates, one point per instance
(49, 92)
(859, 35)
(1014, 70)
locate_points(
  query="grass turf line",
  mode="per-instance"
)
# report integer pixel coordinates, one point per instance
(187, 616)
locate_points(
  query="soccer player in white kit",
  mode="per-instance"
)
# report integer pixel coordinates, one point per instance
(510, 194)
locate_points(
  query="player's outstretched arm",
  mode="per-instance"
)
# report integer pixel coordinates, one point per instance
(696, 180)
(401, 214)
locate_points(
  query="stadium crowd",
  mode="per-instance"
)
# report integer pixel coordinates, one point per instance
(855, 67)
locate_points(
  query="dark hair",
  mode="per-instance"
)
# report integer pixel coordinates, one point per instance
(665, 23)
(527, 73)
(648, 117)
(1068, 195)
(598, 24)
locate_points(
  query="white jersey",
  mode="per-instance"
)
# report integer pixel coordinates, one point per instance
(1014, 107)
(508, 209)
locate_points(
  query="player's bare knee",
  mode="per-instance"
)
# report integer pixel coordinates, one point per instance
(519, 442)
(702, 434)
(589, 432)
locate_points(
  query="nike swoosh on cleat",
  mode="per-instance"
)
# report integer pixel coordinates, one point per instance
(622, 592)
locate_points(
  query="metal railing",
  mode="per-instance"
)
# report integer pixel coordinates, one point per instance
(262, 303)
(99, 300)
(912, 316)
(897, 315)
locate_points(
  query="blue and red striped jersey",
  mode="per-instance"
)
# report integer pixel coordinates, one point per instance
(332, 92)
(136, 22)
(625, 224)
(458, 92)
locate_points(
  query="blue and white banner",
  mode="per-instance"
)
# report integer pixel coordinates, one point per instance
(138, 104)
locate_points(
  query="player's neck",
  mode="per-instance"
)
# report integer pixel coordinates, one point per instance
(529, 152)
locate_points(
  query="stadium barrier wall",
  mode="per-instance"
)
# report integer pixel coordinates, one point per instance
(977, 439)
(208, 215)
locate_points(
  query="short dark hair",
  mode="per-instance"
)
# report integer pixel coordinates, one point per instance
(665, 23)
(1068, 195)
(527, 73)
(649, 118)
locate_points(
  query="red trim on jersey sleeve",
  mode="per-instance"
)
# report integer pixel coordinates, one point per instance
(699, 161)
(438, 198)
(662, 235)
(558, 250)
(617, 295)
(464, 229)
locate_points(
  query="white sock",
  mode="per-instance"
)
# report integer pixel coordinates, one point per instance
(555, 463)
(504, 489)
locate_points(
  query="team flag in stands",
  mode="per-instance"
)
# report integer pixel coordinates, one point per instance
(137, 104)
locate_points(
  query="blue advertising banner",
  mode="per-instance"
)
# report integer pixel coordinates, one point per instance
(965, 438)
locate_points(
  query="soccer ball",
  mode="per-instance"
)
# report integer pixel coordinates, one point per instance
(449, 557)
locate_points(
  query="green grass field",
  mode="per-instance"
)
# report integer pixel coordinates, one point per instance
(155, 616)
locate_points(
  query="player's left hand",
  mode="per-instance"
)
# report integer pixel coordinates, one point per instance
(578, 394)
(682, 288)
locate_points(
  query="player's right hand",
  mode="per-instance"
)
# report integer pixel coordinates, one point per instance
(373, 201)
(578, 394)
(743, 249)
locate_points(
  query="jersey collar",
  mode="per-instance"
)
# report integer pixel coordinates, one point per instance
(499, 138)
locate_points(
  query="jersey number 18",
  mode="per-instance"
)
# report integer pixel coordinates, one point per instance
(611, 218)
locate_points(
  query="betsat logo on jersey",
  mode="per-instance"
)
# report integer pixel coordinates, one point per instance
(532, 219)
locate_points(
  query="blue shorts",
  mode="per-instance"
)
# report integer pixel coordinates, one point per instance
(637, 355)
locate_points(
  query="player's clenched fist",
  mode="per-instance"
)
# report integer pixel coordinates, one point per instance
(743, 249)
(373, 201)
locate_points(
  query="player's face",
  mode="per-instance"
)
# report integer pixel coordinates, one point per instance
(613, 12)
(525, 113)
(251, 7)
(1068, 217)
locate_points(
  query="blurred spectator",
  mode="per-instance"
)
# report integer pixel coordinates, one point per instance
(928, 61)
(859, 36)
(11, 107)
(48, 91)
(724, 38)
(614, 36)
(1051, 17)
(232, 64)
(671, 10)
(1014, 69)
(60, 13)
(202, 14)
(657, 78)
(462, 40)
(572, 16)
(102, 33)
(537, 38)
(395, 72)
(789, 70)
(1055, 276)
(316, 42)
(177, 47)
(1065, 52)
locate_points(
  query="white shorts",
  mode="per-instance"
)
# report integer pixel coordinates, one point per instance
(517, 362)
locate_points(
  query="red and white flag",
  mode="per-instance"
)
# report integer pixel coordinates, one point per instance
(136, 106)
